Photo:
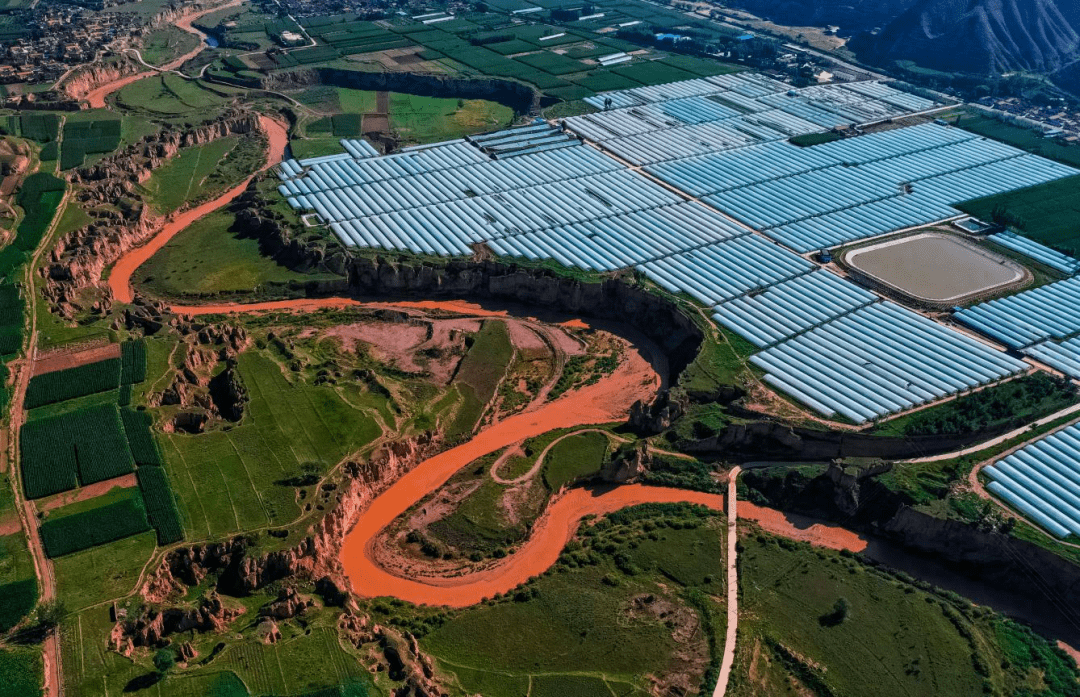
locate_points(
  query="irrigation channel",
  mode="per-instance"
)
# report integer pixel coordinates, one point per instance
(607, 400)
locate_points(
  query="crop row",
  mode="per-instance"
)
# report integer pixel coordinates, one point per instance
(144, 448)
(64, 534)
(61, 385)
(133, 359)
(160, 504)
(85, 137)
(85, 446)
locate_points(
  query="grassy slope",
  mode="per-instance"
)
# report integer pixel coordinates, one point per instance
(208, 258)
(431, 119)
(225, 481)
(897, 638)
(479, 374)
(577, 456)
(177, 181)
(575, 630)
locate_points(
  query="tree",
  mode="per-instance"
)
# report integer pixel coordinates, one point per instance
(839, 613)
(164, 661)
(50, 612)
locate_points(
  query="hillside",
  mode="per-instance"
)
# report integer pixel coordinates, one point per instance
(979, 36)
(852, 16)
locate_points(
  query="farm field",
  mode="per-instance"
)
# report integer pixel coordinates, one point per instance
(431, 119)
(1046, 213)
(176, 183)
(479, 374)
(796, 635)
(184, 266)
(165, 43)
(573, 629)
(102, 573)
(230, 481)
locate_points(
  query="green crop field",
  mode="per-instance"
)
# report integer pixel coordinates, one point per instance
(1046, 213)
(168, 94)
(577, 456)
(431, 119)
(66, 531)
(160, 504)
(570, 629)
(21, 672)
(892, 635)
(18, 580)
(137, 429)
(174, 184)
(84, 446)
(86, 137)
(83, 380)
(133, 357)
(183, 266)
(227, 481)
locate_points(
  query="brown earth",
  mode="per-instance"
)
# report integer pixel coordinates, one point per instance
(86, 493)
(61, 359)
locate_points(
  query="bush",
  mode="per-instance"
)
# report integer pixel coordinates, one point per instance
(160, 504)
(66, 534)
(62, 385)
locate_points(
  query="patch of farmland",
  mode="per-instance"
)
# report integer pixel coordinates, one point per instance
(478, 375)
(81, 447)
(71, 383)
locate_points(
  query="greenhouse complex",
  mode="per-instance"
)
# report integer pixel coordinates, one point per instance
(704, 187)
(697, 185)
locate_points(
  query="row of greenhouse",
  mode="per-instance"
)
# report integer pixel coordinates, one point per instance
(1042, 480)
(879, 360)
(1039, 252)
(1063, 356)
(791, 307)
(1047, 312)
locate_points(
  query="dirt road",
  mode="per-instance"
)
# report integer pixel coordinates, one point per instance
(120, 278)
(732, 629)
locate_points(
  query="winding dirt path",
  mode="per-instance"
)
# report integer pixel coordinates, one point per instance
(96, 98)
(515, 449)
(120, 278)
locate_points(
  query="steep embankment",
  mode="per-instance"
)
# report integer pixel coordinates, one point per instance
(982, 37)
(120, 278)
(852, 16)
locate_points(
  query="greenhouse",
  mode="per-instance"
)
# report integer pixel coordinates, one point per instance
(1042, 480)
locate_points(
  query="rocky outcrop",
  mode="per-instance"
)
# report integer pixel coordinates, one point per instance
(397, 655)
(289, 604)
(657, 416)
(614, 299)
(89, 77)
(629, 464)
(110, 194)
(769, 440)
(151, 627)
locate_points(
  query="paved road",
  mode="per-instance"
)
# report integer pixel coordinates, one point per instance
(732, 587)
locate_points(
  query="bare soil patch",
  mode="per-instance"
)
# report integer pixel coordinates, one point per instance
(88, 492)
(63, 359)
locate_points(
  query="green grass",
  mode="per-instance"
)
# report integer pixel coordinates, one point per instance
(21, 672)
(718, 364)
(169, 95)
(1001, 407)
(430, 119)
(166, 43)
(185, 265)
(577, 456)
(173, 184)
(18, 580)
(479, 374)
(1046, 213)
(1019, 136)
(102, 573)
(896, 637)
(228, 481)
(571, 628)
